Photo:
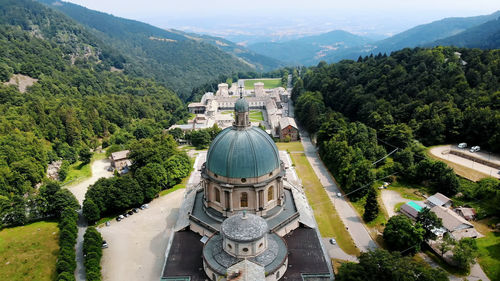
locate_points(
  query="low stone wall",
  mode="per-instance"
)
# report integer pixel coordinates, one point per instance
(475, 159)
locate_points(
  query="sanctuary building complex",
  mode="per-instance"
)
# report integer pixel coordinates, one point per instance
(245, 220)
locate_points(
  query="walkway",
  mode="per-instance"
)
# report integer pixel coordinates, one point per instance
(348, 215)
(99, 170)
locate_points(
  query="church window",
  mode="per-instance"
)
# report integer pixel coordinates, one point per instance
(270, 193)
(229, 246)
(244, 200)
(260, 245)
(217, 195)
(245, 250)
(243, 180)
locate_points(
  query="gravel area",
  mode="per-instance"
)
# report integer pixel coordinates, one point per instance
(390, 199)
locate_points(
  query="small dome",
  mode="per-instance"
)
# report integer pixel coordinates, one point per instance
(241, 105)
(248, 153)
(244, 228)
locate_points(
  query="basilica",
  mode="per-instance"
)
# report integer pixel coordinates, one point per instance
(245, 220)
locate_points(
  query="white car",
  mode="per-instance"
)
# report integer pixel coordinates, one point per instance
(339, 194)
(475, 149)
(462, 145)
(333, 241)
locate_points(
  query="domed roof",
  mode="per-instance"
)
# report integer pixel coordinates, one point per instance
(244, 227)
(241, 105)
(247, 153)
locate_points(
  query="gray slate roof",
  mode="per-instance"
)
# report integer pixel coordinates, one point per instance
(244, 227)
(286, 121)
(438, 199)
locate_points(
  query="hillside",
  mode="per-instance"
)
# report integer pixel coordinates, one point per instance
(422, 35)
(484, 36)
(80, 98)
(310, 49)
(260, 62)
(177, 60)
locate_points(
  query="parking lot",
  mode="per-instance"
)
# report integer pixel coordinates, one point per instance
(442, 152)
(137, 244)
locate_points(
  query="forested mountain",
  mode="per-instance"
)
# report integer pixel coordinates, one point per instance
(433, 91)
(361, 111)
(484, 36)
(479, 31)
(77, 100)
(310, 49)
(179, 59)
(260, 62)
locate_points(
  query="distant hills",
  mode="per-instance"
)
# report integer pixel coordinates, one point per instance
(478, 31)
(310, 49)
(180, 60)
(484, 36)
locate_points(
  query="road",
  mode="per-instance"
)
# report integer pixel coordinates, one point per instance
(348, 215)
(99, 170)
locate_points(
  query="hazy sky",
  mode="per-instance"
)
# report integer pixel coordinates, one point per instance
(359, 16)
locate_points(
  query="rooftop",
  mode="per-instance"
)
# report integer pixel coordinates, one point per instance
(120, 155)
(451, 220)
(248, 153)
(287, 121)
(244, 227)
(438, 199)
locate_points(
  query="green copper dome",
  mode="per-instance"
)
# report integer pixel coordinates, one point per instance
(241, 105)
(247, 153)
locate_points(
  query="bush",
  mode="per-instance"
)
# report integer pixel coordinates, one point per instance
(66, 263)
(92, 249)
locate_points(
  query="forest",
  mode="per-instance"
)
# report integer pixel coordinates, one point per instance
(77, 103)
(362, 110)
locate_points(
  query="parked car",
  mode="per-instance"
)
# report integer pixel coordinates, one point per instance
(118, 219)
(462, 145)
(333, 241)
(121, 217)
(104, 244)
(339, 194)
(475, 149)
(130, 212)
(144, 206)
(125, 215)
(135, 210)
(108, 223)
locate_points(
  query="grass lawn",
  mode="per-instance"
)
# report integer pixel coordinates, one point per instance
(397, 207)
(29, 252)
(268, 83)
(489, 254)
(78, 172)
(329, 222)
(407, 191)
(255, 116)
(290, 146)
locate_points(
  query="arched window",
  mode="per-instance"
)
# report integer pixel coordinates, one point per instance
(270, 193)
(217, 195)
(277, 275)
(244, 200)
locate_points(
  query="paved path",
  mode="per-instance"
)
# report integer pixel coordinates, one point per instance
(348, 215)
(99, 170)
(390, 199)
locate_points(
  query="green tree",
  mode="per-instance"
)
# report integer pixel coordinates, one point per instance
(200, 139)
(152, 178)
(429, 221)
(85, 155)
(400, 234)
(90, 210)
(371, 205)
(383, 265)
(465, 253)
